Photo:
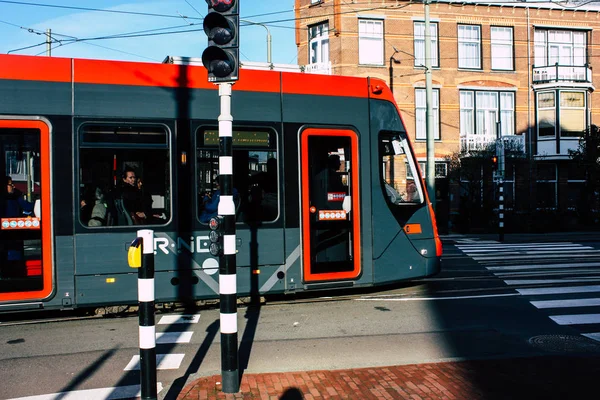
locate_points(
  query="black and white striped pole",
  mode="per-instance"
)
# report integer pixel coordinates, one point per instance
(147, 333)
(227, 258)
(501, 210)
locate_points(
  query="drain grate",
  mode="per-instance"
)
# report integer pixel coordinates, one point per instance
(564, 343)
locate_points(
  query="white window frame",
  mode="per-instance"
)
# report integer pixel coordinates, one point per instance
(419, 43)
(478, 120)
(421, 112)
(550, 108)
(562, 47)
(469, 46)
(370, 41)
(318, 37)
(502, 48)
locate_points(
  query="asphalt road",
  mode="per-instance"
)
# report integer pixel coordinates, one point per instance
(473, 309)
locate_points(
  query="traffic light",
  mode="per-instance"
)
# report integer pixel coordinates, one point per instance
(222, 26)
(216, 235)
(495, 163)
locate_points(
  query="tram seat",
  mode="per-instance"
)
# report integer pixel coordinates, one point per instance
(123, 217)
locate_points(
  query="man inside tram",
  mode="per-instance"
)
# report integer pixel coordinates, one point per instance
(132, 197)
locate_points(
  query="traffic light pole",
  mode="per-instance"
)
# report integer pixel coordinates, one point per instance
(500, 173)
(227, 260)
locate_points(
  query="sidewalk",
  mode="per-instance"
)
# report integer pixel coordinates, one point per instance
(547, 377)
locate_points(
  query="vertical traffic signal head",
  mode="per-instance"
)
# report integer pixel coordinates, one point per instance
(221, 25)
(216, 235)
(495, 162)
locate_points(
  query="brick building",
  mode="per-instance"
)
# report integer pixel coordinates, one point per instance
(515, 69)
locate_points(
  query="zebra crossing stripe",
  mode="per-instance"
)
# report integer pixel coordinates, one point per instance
(520, 247)
(541, 266)
(593, 336)
(492, 245)
(511, 282)
(109, 393)
(559, 290)
(566, 303)
(539, 255)
(173, 337)
(576, 319)
(179, 319)
(163, 361)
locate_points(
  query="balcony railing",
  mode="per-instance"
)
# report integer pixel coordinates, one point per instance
(561, 73)
(481, 142)
(318, 68)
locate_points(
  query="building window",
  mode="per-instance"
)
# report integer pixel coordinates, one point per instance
(546, 186)
(441, 169)
(502, 48)
(546, 114)
(572, 120)
(469, 46)
(370, 41)
(480, 112)
(420, 114)
(318, 37)
(562, 47)
(419, 41)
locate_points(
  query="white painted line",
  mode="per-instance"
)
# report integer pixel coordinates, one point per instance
(541, 266)
(163, 361)
(593, 336)
(483, 296)
(559, 290)
(179, 319)
(576, 319)
(173, 337)
(592, 272)
(526, 248)
(566, 303)
(109, 393)
(540, 255)
(547, 281)
(516, 245)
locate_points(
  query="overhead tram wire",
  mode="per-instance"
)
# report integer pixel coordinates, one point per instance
(22, 3)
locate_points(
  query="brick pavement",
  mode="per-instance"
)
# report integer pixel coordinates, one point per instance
(548, 377)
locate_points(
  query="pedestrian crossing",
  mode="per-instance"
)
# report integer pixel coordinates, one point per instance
(174, 329)
(561, 279)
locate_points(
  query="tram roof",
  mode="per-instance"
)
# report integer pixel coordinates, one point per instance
(127, 73)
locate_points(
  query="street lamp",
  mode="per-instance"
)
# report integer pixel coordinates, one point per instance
(268, 36)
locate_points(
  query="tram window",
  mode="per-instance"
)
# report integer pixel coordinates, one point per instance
(399, 174)
(255, 176)
(124, 175)
(20, 211)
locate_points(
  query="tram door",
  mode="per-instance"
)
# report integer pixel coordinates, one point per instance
(330, 212)
(25, 220)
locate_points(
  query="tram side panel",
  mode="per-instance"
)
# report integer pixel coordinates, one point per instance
(324, 113)
(46, 98)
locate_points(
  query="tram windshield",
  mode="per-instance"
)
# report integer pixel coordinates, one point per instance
(399, 170)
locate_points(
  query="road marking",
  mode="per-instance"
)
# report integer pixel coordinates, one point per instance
(163, 361)
(173, 337)
(513, 245)
(539, 255)
(576, 319)
(179, 319)
(593, 336)
(547, 281)
(521, 248)
(566, 303)
(110, 393)
(559, 290)
(541, 266)
(483, 296)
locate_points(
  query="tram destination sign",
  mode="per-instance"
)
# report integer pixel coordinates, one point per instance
(240, 138)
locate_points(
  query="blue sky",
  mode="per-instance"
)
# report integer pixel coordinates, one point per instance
(22, 24)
